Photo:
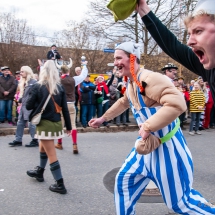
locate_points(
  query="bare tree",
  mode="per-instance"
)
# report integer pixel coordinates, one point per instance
(14, 33)
(132, 28)
(83, 39)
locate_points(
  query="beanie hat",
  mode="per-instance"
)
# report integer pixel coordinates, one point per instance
(130, 47)
(207, 6)
(100, 76)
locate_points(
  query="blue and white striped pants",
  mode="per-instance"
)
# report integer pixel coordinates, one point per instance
(170, 167)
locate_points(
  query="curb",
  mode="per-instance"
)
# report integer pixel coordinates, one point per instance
(103, 129)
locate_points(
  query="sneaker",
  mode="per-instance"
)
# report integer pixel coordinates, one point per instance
(33, 143)
(191, 133)
(197, 132)
(15, 143)
(59, 146)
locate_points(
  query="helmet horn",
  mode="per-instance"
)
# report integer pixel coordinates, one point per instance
(70, 64)
(57, 65)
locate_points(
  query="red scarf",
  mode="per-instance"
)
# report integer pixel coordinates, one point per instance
(104, 86)
(64, 76)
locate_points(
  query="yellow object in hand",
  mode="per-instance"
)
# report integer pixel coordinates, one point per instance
(122, 9)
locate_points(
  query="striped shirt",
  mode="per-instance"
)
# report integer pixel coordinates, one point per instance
(197, 98)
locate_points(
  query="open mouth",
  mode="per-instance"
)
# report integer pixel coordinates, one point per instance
(199, 54)
(119, 68)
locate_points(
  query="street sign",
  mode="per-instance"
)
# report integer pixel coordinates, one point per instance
(109, 50)
(110, 64)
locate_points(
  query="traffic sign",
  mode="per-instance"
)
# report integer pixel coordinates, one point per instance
(109, 50)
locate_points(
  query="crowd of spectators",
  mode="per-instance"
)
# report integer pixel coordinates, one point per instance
(97, 96)
(93, 97)
(200, 108)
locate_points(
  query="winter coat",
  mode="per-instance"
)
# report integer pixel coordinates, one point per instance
(7, 84)
(87, 93)
(23, 111)
(37, 98)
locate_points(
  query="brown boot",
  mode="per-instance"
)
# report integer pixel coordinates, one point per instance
(75, 149)
(59, 146)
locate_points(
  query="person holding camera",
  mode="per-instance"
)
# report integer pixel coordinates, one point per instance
(53, 53)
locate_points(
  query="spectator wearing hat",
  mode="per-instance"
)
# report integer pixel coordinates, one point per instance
(53, 53)
(7, 92)
(87, 89)
(170, 70)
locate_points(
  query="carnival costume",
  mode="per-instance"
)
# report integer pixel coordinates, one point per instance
(156, 104)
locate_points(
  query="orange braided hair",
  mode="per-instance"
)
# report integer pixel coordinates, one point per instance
(132, 61)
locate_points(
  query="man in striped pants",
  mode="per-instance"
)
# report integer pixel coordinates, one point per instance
(163, 154)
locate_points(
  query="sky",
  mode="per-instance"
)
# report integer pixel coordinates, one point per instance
(47, 15)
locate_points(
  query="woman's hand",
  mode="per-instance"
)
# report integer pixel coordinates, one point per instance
(68, 132)
(96, 122)
(144, 134)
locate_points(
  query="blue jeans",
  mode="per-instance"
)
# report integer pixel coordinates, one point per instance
(195, 117)
(87, 113)
(101, 109)
(6, 107)
(21, 126)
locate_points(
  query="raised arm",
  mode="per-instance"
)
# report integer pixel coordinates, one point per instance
(168, 41)
(79, 78)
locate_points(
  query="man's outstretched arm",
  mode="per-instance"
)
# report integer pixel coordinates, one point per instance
(168, 41)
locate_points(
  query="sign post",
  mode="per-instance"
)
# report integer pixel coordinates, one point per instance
(109, 50)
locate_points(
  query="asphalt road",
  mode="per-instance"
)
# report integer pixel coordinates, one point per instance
(83, 175)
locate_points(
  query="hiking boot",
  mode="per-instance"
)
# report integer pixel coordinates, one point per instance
(191, 133)
(58, 187)
(15, 143)
(33, 143)
(75, 149)
(59, 146)
(36, 173)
